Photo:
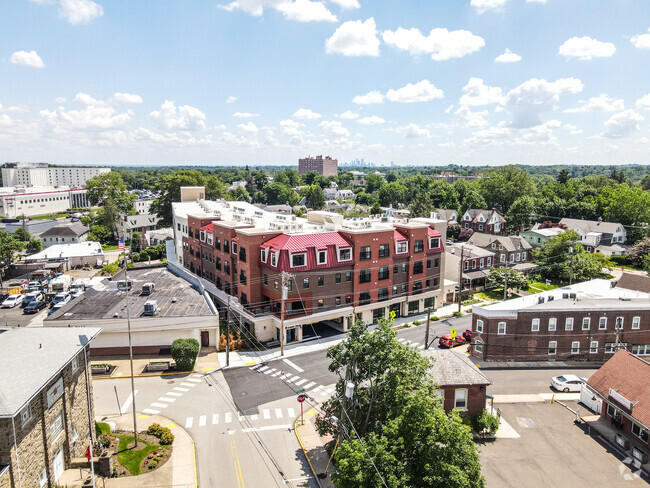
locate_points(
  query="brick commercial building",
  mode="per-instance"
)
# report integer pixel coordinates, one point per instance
(333, 269)
(323, 166)
(45, 390)
(581, 322)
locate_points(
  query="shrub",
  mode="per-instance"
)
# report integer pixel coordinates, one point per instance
(184, 353)
(104, 440)
(416, 322)
(155, 430)
(167, 437)
(102, 428)
(435, 318)
(163, 433)
(457, 314)
(152, 464)
(484, 423)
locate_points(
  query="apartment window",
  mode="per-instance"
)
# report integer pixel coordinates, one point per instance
(305, 283)
(417, 287)
(434, 243)
(75, 364)
(384, 274)
(402, 247)
(321, 257)
(276, 284)
(460, 399)
(473, 263)
(602, 323)
(619, 323)
(489, 261)
(436, 263)
(466, 265)
(552, 348)
(266, 279)
(418, 246)
(289, 285)
(26, 414)
(274, 258)
(242, 254)
(337, 301)
(405, 267)
(321, 280)
(478, 347)
(226, 267)
(217, 264)
(395, 269)
(501, 328)
(586, 323)
(502, 258)
(636, 322)
(337, 277)
(226, 246)
(242, 277)
(535, 325)
(364, 276)
(365, 253)
(523, 256)
(638, 431)
(384, 251)
(298, 260)
(348, 299)
(479, 326)
(568, 323)
(57, 426)
(417, 267)
(320, 303)
(482, 263)
(480, 226)
(345, 254)
(348, 276)
(610, 347)
(217, 245)
(593, 347)
(575, 347)
(641, 349)
(428, 264)
(234, 248)
(364, 298)
(552, 324)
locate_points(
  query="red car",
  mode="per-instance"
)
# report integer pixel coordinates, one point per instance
(446, 341)
(468, 335)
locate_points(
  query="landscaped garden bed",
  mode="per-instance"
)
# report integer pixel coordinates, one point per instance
(102, 369)
(158, 366)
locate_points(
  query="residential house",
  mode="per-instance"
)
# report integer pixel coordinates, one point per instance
(331, 191)
(345, 195)
(476, 264)
(599, 236)
(155, 237)
(129, 224)
(634, 281)
(46, 411)
(70, 255)
(536, 237)
(488, 221)
(450, 215)
(462, 385)
(64, 234)
(513, 252)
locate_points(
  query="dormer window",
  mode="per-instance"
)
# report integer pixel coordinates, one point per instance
(401, 247)
(274, 259)
(345, 254)
(298, 260)
(321, 257)
(264, 255)
(434, 243)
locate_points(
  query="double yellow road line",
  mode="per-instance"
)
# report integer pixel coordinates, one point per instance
(235, 456)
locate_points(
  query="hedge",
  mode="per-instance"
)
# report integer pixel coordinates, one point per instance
(184, 353)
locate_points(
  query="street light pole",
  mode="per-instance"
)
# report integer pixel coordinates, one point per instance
(128, 321)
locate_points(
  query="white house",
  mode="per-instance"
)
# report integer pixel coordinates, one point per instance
(599, 236)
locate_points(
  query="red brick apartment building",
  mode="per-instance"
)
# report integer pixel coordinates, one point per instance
(334, 269)
(323, 166)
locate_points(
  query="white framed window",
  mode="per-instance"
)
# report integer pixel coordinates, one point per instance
(501, 328)
(534, 325)
(264, 255)
(26, 414)
(345, 254)
(479, 325)
(274, 258)
(42, 478)
(482, 263)
(57, 426)
(321, 257)
(636, 322)
(610, 347)
(512, 257)
(489, 261)
(575, 347)
(552, 324)
(460, 399)
(518, 257)
(401, 247)
(593, 347)
(434, 242)
(75, 364)
(619, 323)
(503, 258)
(586, 323)
(602, 323)
(523, 256)
(478, 347)
(568, 323)
(552, 348)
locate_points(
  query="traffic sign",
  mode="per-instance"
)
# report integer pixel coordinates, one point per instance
(392, 315)
(300, 391)
(453, 334)
(302, 398)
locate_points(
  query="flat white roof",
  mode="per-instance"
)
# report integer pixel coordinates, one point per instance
(66, 251)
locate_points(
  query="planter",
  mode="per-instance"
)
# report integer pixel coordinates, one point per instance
(158, 366)
(100, 369)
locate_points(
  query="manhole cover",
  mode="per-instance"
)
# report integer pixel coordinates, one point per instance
(243, 393)
(170, 382)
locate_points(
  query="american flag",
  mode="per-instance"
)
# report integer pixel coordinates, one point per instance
(120, 243)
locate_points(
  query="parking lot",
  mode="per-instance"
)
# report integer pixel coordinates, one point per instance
(551, 452)
(14, 317)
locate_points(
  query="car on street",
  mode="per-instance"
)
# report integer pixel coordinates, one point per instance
(31, 297)
(34, 306)
(13, 300)
(468, 335)
(63, 297)
(567, 383)
(447, 341)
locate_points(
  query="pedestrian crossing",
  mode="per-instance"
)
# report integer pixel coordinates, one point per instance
(302, 383)
(171, 396)
(228, 418)
(407, 342)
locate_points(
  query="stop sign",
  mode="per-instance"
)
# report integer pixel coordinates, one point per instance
(302, 398)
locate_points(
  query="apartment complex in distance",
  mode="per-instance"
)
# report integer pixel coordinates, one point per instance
(323, 166)
(42, 174)
(18, 201)
(328, 270)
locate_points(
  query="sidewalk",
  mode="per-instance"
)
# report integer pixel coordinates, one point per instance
(500, 365)
(314, 450)
(178, 472)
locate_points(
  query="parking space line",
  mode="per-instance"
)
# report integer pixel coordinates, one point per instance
(188, 422)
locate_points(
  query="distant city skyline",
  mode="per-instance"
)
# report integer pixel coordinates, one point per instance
(263, 82)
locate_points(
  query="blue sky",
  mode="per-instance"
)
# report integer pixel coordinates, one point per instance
(268, 81)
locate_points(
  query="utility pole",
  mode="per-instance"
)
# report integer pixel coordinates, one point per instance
(228, 333)
(618, 328)
(284, 296)
(128, 321)
(460, 277)
(505, 284)
(426, 334)
(571, 268)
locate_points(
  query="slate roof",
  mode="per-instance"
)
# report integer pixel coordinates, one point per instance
(509, 243)
(487, 214)
(451, 368)
(32, 356)
(629, 376)
(74, 229)
(587, 226)
(637, 282)
(447, 214)
(302, 242)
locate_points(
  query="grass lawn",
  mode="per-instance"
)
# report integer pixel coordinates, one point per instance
(131, 459)
(494, 295)
(543, 287)
(51, 216)
(110, 247)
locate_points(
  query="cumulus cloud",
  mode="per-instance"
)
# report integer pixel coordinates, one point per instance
(643, 103)
(641, 41)
(184, 117)
(231, 99)
(79, 11)
(507, 57)
(348, 114)
(307, 11)
(477, 93)
(127, 98)
(485, 5)
(573, 130)
(586, 48)
(27, 58)
(306, 114)
(334, 128)
(622, 124)
(248, 127)
(368, 98)
(85, 99)
(244, 115)
(471, 120)
(346, 4)
(601, 103)
(95, 116)
(422, 91)
(413, 131)
(527, 101)
(354, 38)
(371, 120)
(442, 44)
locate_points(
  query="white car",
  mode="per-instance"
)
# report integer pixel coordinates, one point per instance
(12, 301)
(567, 383)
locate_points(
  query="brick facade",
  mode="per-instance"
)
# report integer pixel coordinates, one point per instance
(476, 395)
(325, 166)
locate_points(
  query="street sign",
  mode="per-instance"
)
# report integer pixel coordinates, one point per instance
(392, 315)
(300, 391)
(453, 334)
(302, 398)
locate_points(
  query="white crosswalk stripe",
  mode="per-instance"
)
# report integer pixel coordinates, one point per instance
(159, 405)
(173, 393)
(301, 382)
(188, 422)
(215, 418)
(191, 385)
(291, 412)
(266, 414)
(254, 417)
(195, 375)
(269, 371)
(400, 339)
(278, 413)
(294, 379)
(309, 385)
(227, 417)
(194, 380)
(201, 420)
(150, 411)
(166, 399)
(329, 391)
(315, 390)
(263, 368)
(178, 388)
(284, 376)
(276, 374)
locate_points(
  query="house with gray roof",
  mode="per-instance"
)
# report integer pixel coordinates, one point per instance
(488, 221)
(448, 214)
(513, 252)
(68, 233)
(599, 236)
(537, 236)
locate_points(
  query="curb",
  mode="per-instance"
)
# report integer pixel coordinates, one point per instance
(530, 368)
(311, 466)
(196, 478)
(143, 375)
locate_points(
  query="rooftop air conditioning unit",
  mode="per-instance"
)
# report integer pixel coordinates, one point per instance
(565, 295)
(151, 307)
(551, 298)
(622, 441)
(573, 296)
(540, 299)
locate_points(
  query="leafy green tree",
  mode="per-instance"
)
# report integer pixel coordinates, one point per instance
(109, 192)
(391, 194)
(34, 246)
(239, 194)
(391, 177)
(374, 183)
(505, 185)
(314, 197)
(564, 258)
(308, 177)
(170, 187)
(184, 353)
(322, 181)
(639, 251)
(260, 179)
(9, 246)
(22, 235)
(628, 205)
(645, 183)
(364, 198)
(375, 209)
(214, 188)
(279, 194)
(135, 241)
(563, 176)
(101, 233)
(523, 212)
(496, 278)
(422, 207)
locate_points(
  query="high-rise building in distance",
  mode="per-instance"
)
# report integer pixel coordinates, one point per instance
(323, 166)
(41, 174)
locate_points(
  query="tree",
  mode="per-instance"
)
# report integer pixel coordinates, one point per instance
(101, 233)
(564, 258)
(314, 197)
(639, 251)
(374, 183)
(375, 209)
(496, 278)
(645, 183)
(422, 207)
(563, 176)
(505, 185)
(135, 241)
(239, 194)
(22, 235)
(214, 188)
(184, 353)
(9, 246)
(523, 212)
(364, 198)
(308, 177)
(170, 187)
(34, 246)
(627, 205)
(109, 192)
(391, 177)
(391, 194)
(279, 194)
(260, 179)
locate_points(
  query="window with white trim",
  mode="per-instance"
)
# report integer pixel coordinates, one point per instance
(25, 414)
(552, 324)
(641, 349)
(552, 348)
(602, 323)
(264, 255)
(434, 242)
(298, 260)
(57, 426)
(568, 323)
(523, 256)
(619, 323)
(401, 247)
(345, 254)
(636, 322)
(321, 257)
(42, 478)
(501, 328)
(460, 399)
(274, 258)
(610, 347)
(586, 323)
(575, 347)
(479, 325)
(489, 261)
(593, 347)
(534, 327)
(478, 347)
(503, 258)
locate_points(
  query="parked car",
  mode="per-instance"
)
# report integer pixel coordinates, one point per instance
(63, 297)
(34, 306)
(446, 341)
(13, 300)
(3, 296)
(30, 297)
(57, 307)
(467, 335)
(567, 383)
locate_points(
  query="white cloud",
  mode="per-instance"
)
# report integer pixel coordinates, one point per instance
(85, 99)
(60, 100)
(413, 131)
(244, 115)
(477, 93)
(643, 103)
(93, 117)
(79, 11)
(354, 38)
(422, 91)
(307, 11)
(368, 98)
(573, 130)
(334, 128)
(641, 41)
(306, 114)
(485, 5)
(471, 120)
(127, 98)
(371, 120)
(291, 128)
(291, 123)
(346, 4)
(27, 58)
(185, 117)
(248, 127)
(440, 43)
(231, 99)
(586, 48)
(601, 103)
(622, 124)
(527, 101)
(507, 57)
(449, 109)
(348, 114)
